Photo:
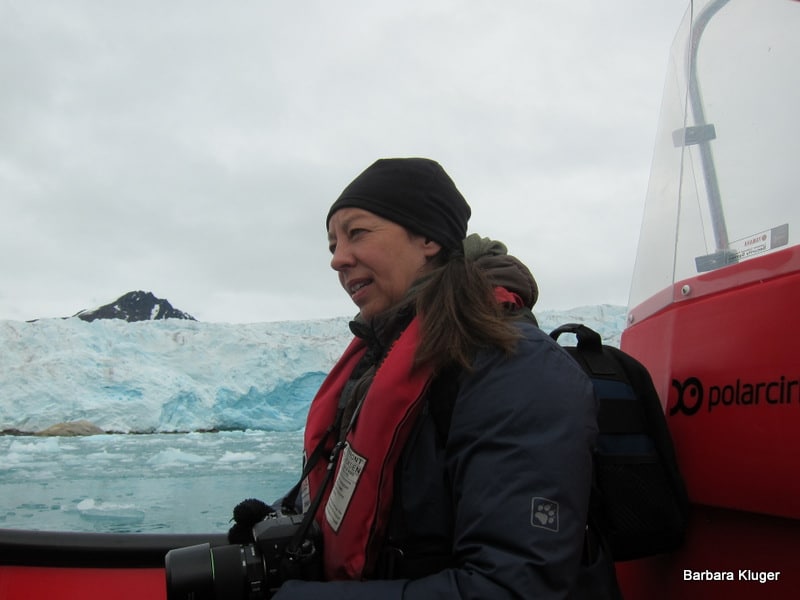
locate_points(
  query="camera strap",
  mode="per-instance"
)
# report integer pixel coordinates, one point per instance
(293, 548)
(288, 504)
(291, 498)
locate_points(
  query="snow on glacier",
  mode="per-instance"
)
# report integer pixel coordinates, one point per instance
(169, 375)
(180, 375)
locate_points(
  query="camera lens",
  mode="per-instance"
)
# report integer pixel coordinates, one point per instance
(205, 573)
(190, 573)
(250, 572)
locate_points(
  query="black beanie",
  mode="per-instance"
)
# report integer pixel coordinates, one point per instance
(413, 192)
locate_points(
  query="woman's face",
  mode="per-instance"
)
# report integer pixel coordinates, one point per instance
(377, 260)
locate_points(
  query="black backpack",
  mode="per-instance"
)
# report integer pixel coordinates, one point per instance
(639, 504)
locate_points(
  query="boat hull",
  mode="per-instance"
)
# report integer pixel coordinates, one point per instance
(83, 566)
(723, 356)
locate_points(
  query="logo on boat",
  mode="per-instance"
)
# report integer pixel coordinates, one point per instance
(693, 395)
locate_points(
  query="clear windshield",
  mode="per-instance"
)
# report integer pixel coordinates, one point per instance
(724, 180)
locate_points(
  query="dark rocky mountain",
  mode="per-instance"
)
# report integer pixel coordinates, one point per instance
(135, 306)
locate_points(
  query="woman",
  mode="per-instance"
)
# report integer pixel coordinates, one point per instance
(461, 434)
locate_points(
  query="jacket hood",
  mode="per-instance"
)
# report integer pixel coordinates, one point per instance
(501, 268)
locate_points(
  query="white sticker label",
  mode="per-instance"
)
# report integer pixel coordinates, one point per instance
(760, 243)
(351, 466)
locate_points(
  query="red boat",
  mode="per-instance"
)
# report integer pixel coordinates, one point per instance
(711, 315)
(713, 300)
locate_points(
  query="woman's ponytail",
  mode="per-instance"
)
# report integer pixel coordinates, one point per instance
(459, 315)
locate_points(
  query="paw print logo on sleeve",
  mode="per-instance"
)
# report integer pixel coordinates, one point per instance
(544, 513)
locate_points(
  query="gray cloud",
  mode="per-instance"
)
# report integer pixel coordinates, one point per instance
(192, 148)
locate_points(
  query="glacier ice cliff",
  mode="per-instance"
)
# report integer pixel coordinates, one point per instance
(182, 375)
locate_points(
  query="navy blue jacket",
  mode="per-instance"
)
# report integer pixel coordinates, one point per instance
(507, 491)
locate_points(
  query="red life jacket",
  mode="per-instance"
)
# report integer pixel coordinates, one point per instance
(355, 510)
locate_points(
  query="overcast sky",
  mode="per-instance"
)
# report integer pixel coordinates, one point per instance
(192, 148)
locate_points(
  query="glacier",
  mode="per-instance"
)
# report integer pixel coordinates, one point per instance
(178, 375)
(239, 392)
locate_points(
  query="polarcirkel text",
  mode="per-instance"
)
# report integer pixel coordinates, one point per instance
(693, 395)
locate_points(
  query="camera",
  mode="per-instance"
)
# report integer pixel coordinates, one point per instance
(248, 571)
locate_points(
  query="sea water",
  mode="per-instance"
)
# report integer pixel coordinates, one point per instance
(156, 483)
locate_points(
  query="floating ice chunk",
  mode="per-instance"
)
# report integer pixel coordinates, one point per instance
(173, 457)
(85, 504)
(122, 514)
(231, 457)
(35, 446)
(281, 458)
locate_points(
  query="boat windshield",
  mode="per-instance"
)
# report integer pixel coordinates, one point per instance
(724, 179)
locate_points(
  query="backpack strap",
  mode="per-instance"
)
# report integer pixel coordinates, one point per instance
(590, 344)
(616, 414)
(442, 399)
